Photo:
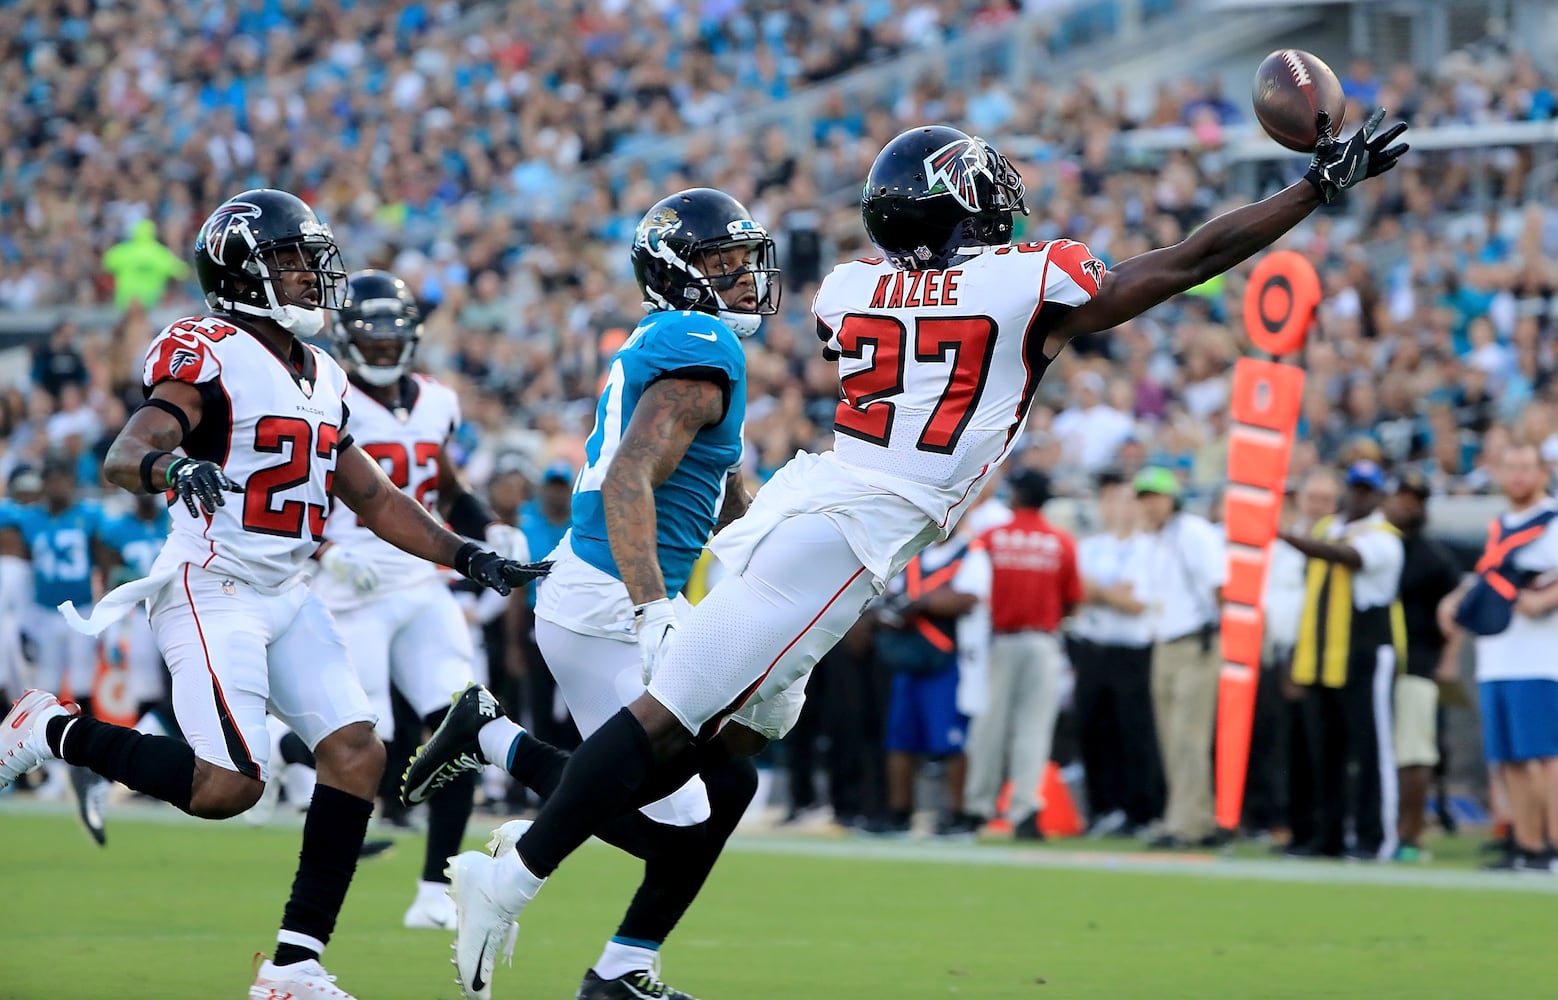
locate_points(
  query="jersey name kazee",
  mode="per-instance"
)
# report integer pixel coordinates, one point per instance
(937, 368)
(666, 345)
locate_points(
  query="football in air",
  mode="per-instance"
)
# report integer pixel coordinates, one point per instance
(1291, 88)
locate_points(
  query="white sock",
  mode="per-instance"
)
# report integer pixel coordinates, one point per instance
(514, 884)
(619, 958)
(497, 738)
(435, 891)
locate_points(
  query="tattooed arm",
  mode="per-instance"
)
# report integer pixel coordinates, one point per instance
(737, 500)
(1143, 281)
(389, 513)
(668, 415)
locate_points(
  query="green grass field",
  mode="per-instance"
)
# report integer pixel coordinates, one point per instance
(175, 910)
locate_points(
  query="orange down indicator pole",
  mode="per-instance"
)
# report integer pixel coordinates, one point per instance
(1279, 307)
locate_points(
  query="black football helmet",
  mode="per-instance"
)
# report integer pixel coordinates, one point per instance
(378, 309)
(935, 196)
(677, 231)
(254, 238)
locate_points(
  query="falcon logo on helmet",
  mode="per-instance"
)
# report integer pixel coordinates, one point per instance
(231, 218)
(953, 170)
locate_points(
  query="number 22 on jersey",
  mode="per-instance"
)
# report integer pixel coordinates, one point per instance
(873, 394)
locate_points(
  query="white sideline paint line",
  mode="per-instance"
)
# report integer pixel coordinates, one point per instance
(1189, 865)
(983, 856)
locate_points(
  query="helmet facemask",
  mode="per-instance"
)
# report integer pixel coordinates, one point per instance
(379, 321)
(682, 284)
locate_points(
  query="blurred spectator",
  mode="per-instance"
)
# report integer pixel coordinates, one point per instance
(916, 639)
(142, 267)
(1184, 573)
(1349, 645)
(1508, 607)
(1034, 584)
(1428, 574)
(1110, 648)
(1090, 430)
(57, 362)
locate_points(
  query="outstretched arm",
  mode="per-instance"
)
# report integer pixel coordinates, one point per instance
(668, 415)
(1346, 555)
(389, 513)
(1143, 281)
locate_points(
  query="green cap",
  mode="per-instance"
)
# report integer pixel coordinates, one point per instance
(1156, 479)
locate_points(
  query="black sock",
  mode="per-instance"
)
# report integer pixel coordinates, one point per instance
(332, 835)
(539, 767)
(161, 767)
(448, 812)
(295, 751)
(674, 876)
(599, 782)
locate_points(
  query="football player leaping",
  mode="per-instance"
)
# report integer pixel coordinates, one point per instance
(660, 475)
(942, 343)
(399, 621)
(248, 425)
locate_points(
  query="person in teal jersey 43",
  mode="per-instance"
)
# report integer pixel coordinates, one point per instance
(661, 473)
(59, 535)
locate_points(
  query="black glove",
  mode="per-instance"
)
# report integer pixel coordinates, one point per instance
(194, 480)
(492, 570)
(1339, 165)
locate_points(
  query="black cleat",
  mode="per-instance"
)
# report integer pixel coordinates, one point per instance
(374, 848)
(91, 802)
(641, 985)
(452, 749)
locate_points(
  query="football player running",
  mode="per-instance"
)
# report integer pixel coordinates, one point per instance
(247, 425)
(941, 342)
(394, 611)
(661, 474)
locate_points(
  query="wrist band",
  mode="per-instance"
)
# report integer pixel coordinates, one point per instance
(147, 461)
(173, 467)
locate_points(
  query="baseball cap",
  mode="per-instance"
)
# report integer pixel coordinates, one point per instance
(1366, 473)
(1156, 479)
(557, 472)
(1414, 482)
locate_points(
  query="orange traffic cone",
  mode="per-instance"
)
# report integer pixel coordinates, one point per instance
(1060, 817)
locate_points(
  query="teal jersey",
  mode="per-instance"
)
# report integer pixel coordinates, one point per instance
(137, 542)
(60, 547)
(666, 345)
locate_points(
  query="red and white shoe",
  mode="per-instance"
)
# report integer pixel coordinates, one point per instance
(299, 981)
(22, 746)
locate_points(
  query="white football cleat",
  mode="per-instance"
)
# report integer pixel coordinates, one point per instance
(484, 925)
(506, 836)
(22, 744)
(432, 909)
(298, 981)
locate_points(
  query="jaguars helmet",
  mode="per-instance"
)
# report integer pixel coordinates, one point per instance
(936, 197)
(673, 237)
(379, 313)
(245, 247)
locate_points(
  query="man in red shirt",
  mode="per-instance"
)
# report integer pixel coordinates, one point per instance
(1034, 584)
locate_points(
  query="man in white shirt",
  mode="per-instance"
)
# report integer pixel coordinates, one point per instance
(1350, 639)
(1276, 795)
(1186, 569)
(1090, 430)
(1110, 647)
(1517, 672)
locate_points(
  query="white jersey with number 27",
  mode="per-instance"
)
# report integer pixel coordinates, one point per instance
(937, 368)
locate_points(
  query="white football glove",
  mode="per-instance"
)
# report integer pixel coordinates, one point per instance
(656, 625)
(358, 575)
(508, 542)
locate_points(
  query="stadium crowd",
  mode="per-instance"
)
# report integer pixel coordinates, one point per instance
(441, 152)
